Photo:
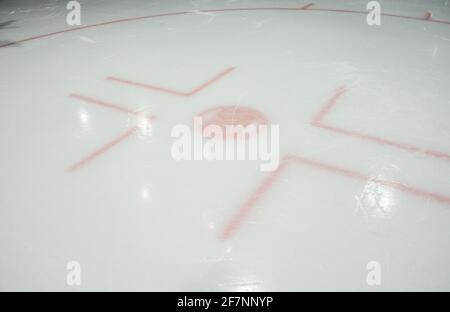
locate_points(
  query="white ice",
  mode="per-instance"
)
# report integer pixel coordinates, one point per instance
(135, 219)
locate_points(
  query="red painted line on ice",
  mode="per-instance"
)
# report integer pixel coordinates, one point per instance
(245, 209)
(331, 103)
(173, 91)
(114, 142)
(131, 19)
(122, 109)
(306, 7)
(75, 29)
(101, 103)
(383, 14)
(101, 150)
(359, 176)
(110, 105)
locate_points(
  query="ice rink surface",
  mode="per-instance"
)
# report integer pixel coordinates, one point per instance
(86, 172)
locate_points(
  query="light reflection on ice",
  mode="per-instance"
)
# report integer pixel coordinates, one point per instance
(85, 118)
(376, 200)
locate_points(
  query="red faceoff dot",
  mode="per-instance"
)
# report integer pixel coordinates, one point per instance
(223, 116)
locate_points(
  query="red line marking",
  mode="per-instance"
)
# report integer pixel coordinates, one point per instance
(101, 103)
(147, 86)
(355, 175)
(106, 147)
(330, 104)
(245, 209)
(383, 14)
(74, 29)
(307, 6)
(101, 150)
(172, 91)
(369, 137)
(124, 20)
(109, 105)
